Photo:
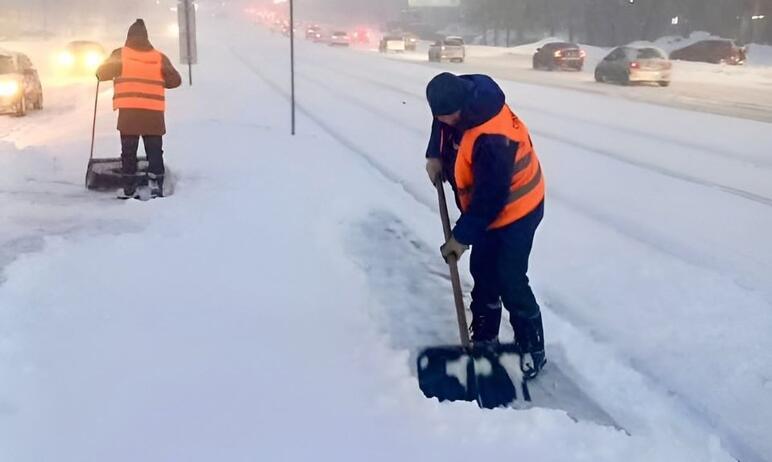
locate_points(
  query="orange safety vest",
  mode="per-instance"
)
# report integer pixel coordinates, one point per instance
(141, 84)
(527, 187)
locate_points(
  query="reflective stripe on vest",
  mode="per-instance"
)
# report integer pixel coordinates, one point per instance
(141, 84)
(527, 187)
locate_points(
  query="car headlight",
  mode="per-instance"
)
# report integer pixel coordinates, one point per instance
(9, 87)
(66, 59)
(93, 59)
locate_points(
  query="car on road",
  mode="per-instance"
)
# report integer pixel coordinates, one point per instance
(340, 39)
(82, 57)
(559, 55)
(712, 51)
(361, 36)
(629, 64)
(448, 49)
(411, 41)
(392, 43)
(313, 32)
(20, 87)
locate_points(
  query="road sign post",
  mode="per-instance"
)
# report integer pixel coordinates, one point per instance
(186, 16)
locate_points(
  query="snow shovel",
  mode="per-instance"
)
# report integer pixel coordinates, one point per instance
(487, 373)
(106, 174)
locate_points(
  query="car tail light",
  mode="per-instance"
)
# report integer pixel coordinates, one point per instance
(635, 65)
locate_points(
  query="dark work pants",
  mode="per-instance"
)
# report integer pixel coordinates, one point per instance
(499, 266)
(153, 150)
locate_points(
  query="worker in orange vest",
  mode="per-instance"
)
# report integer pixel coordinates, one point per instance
(485, 151)
(141, 75)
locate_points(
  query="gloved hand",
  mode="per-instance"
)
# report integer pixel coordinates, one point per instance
(453, 247)
(434, 169)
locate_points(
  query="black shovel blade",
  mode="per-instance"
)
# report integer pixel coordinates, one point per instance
(488, 374)
(106, 174)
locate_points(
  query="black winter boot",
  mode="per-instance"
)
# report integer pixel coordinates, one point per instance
(129, 190)
(486, 320)
(156, 183)
(529, 336)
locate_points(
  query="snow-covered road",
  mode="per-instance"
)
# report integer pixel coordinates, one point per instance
(735, 91)
(262, 305)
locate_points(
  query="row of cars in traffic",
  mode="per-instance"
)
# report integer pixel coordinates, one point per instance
(630, 64)
(625, 65)
(450, 48)
(20, 87)
(335, 38)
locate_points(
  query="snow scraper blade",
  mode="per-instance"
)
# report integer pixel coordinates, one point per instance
(488, 374)
(105, 174)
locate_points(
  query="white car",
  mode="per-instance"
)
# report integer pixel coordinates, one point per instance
(450, 49)
(340, 39)
(392, 43)
(628, 65)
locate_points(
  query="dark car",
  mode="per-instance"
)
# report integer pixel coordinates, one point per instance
(628, 64)
(559, 55)
(712, 51)
(20, 86)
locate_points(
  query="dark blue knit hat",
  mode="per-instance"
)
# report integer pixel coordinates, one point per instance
(446, 94)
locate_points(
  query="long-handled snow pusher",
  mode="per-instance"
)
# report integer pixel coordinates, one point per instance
(106, 174)
(487, 373)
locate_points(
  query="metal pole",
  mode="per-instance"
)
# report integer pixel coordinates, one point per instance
(187, 39)
(292, 61)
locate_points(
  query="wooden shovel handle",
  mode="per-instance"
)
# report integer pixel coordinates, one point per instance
(93, 122)
(455, 279)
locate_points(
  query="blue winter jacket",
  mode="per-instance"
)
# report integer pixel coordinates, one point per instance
(493, 159)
